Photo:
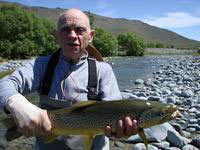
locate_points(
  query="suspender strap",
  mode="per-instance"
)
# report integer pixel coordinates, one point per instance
(92, 80)
(49, 72)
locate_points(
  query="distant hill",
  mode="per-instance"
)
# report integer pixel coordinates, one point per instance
(147, 32)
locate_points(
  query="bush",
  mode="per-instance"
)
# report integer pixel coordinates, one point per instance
(106, 43)
(23, 34)
(132, 44)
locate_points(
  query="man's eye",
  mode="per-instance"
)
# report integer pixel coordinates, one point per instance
(66, 29)
(80, 29)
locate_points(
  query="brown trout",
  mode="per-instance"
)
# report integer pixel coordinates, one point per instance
(89, 118)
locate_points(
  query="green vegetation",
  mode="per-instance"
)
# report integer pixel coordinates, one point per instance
(105, 42)
(23, 34)
(198, 50)
(132, 44)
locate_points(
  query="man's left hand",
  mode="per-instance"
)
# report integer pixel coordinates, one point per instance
(125, 128)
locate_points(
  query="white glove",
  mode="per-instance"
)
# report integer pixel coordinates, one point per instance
(30, 119)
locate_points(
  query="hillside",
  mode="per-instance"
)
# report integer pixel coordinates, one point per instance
(116, 26)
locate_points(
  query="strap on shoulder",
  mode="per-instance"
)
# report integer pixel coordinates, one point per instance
(49, 72)
(92, 76)
(92, 80)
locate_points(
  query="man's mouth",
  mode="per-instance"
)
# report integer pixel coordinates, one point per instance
(73, 44)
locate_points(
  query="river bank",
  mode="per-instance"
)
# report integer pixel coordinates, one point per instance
(176, 81)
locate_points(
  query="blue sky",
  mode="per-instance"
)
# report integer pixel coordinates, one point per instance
(180, 16)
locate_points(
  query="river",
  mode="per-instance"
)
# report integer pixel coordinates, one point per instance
(128, 69)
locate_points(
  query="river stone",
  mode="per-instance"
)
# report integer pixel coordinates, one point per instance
(153, 134)
(139, 81)
(173, 148)
(196, 141)
(127, 95)
(141, 146)
(175, 139)
(189, 147)
(161, 145)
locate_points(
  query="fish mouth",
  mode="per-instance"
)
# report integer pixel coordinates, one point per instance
(174, 115)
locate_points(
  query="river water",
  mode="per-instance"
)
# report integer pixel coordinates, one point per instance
(128, 69)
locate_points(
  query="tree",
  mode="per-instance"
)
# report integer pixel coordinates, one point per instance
(106, 43)
(131, 43)
(160, 45)
(23, 34)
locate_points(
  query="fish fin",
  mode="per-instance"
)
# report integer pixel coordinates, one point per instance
(83, 104)
(49, 138)
(87, 141)
(143, 136)
(79, 105)
(11, 133)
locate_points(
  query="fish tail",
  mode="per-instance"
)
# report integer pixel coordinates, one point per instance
(11, 133)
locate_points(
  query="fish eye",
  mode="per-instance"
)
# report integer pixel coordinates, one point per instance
(162, 113)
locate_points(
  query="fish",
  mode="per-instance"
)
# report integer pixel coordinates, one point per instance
(89, 118)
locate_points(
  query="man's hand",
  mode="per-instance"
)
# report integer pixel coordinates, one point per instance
(30, 119)
(125, 128)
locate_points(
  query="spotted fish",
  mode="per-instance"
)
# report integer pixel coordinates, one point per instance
(89, 118)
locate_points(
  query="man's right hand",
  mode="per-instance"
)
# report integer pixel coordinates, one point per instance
(30, 119)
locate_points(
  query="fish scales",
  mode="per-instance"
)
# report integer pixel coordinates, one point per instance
(97, 116)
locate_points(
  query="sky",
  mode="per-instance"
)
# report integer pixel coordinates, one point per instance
(180, 16)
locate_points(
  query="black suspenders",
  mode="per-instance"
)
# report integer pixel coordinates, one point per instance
(92, 76)
(92, 80)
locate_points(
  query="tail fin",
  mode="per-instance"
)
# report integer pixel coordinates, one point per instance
(11, 132)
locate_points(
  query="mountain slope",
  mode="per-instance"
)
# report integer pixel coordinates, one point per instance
(147, 32)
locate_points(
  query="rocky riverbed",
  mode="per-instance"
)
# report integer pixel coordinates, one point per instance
(177, 83)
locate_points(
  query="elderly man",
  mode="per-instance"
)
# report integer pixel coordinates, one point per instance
(69, 82)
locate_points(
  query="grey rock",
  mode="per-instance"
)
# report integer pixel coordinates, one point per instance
(175, 139)
(196, 141)
(141, 146)
(189, 147)
(153, 134)
(162, 145)
(139, 81)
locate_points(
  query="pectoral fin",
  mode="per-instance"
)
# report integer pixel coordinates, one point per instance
(143, 136)
(87, 141)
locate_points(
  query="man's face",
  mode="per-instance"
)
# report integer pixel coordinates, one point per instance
(74, 34)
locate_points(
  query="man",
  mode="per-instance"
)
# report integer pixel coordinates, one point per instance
(69, 82)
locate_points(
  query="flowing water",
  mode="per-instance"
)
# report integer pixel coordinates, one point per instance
(128, 69)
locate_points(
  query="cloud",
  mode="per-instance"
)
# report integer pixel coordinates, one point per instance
(101, 5)
(108, 13)
(102, 8)
(174, 20)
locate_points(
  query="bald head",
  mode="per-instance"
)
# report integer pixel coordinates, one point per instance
(70, 15)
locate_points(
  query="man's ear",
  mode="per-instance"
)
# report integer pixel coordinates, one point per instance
(92, 35)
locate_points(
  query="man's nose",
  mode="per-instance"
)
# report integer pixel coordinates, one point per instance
(73, 34)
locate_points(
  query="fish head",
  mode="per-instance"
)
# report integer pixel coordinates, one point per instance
(158, 114)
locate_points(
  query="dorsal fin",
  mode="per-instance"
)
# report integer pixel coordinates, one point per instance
(82, 105)
(79, 105)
